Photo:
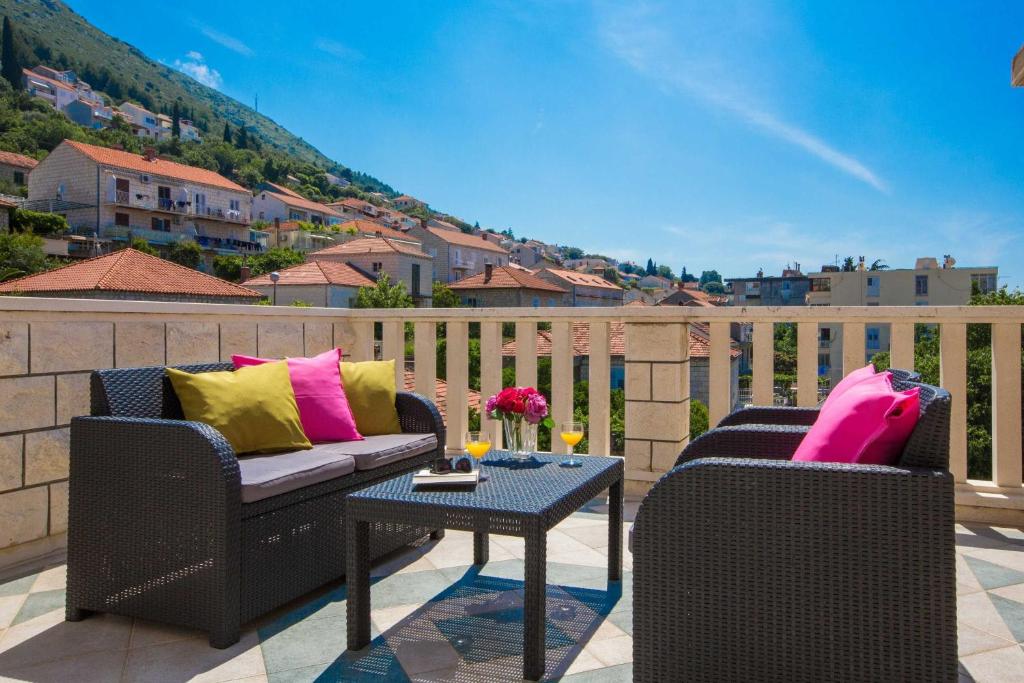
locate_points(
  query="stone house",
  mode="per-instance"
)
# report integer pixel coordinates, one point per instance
(120, 196)
(507, 286)
(375, 255)
(15, 168)
(131, 275)
(584, 289)
(458, 255)
(280, 203)
(326, 284)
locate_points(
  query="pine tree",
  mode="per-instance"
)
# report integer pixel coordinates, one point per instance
(651, 269)
(11, 69)
(176, 120)
(242, 139)
(227, 133)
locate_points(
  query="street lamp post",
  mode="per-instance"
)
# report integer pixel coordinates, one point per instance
(274, 277)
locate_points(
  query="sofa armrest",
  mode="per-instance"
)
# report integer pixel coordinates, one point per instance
(777, 415)
(418, 415)
(154, 504)
(761, 442)
(823, 564)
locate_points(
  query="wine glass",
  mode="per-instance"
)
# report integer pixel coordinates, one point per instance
(572, 434)
(477, 444)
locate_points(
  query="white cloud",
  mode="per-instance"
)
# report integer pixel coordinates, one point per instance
(639, 37)
(336, 49)
(195, 66)
(223, 39)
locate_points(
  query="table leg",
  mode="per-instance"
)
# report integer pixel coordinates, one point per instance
(357, 578)
(481, 547)
(534, 608)
(615, 531)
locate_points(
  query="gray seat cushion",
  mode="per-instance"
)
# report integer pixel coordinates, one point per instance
(375, 451)
(264, 476)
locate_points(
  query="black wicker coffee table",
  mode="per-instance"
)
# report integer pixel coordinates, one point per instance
(520, 498)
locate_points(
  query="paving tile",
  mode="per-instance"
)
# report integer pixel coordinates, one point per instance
(18, 586)
(613, 651)
(377, 664)
(94, 667)
(991, 575)
(37, 604)
(149, 633)
(55, 578)
(593, 536)
(1009, 558)
(403, 563)
(10, 605)
(48, 637)
(408, 589)
(996, 666)
(624, 620)
(1012, 613)
(978, 611)
(194, 660)
(307, 642)
(971, 640)
(613, 674)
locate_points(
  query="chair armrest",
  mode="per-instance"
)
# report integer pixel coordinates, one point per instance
(757, 441)
(418, 415)
(779, 415)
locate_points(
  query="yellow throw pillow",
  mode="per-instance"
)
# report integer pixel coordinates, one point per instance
(253, 407)
(370, 390)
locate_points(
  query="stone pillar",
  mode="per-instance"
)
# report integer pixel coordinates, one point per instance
(657, 400)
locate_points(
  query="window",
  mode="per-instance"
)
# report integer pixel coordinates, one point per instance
(821, 284)
(983, 282)
(872, 285)
(163, 195)
(921, 285)
(470, 301)
(536, 302)
(295, 216)
(873, 338)
(200, 202)
(415, 279)
(121, 219)
(377, 266)
(234, 205)
(161, 224)
(19, 177)
(824, 362)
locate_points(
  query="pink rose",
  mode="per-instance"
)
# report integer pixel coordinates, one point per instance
(536, 408)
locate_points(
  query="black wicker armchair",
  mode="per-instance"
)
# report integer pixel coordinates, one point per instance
(158, 528)
(754, 567)
(792, 415)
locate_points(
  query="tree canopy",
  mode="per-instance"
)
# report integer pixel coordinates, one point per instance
(384, 295)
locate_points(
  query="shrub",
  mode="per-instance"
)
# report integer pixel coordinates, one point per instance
(38, 222)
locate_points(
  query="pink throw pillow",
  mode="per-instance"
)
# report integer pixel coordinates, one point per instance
(851, 380)
(869, 424)
(323, 406)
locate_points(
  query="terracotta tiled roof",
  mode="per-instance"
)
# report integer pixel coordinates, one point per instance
(32, 75)
(505, 277)
(463, 240)
(117, 158)
(472, 397)
(582, 279)
(7, 203)
(317, 273)
(357, 204)
(19, 160)
(281, 189)
(369, 245)
(302, 203)
(700, 346)
(371, 228)
(128, 271)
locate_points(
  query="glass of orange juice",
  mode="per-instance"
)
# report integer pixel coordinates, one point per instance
(572, 434)
(477, 444)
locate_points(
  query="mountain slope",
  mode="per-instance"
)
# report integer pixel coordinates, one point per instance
(55, 35)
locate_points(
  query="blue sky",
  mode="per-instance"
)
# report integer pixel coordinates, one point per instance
(734, 136)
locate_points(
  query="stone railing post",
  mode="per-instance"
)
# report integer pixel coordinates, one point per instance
(657, 400)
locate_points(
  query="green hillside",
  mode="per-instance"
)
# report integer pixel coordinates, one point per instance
(51, 33)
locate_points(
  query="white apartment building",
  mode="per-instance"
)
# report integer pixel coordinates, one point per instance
(147, 124)
(277, 202)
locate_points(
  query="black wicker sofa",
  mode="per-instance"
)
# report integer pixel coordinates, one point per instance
(166, 523)
(749, 566)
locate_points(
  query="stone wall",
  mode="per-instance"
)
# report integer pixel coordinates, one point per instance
(45, 361)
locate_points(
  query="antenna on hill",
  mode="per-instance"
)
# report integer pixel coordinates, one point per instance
(256, 104)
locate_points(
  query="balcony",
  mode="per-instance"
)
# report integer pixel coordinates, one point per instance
(121, 233)
(219, 214)
(56, 342)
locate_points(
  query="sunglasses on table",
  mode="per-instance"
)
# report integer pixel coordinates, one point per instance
(444, 466)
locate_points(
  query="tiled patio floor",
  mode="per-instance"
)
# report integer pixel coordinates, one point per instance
(436, 619)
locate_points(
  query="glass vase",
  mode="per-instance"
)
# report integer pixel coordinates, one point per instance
(520, 438)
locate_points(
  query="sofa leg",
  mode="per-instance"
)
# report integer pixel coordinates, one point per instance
(225, 638)
(75, 613)
(437, 534)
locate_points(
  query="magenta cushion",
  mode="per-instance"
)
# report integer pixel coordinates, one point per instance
(868, 423)
(853, 379)
(323, 406)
